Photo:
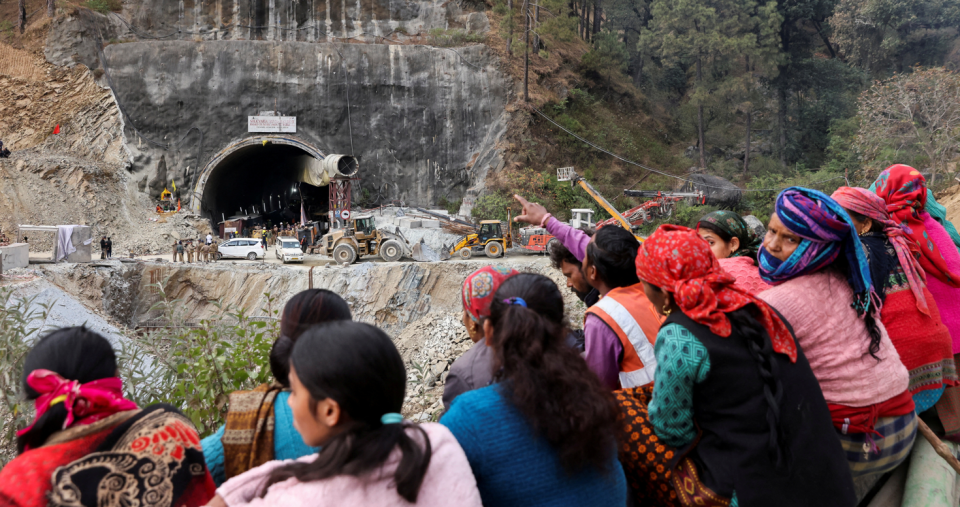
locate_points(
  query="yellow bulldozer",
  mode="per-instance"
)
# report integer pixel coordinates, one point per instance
(489, 239)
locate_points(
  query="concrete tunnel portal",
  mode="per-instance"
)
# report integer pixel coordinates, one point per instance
(256, 178)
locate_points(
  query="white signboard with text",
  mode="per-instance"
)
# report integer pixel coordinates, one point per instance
(272, 124)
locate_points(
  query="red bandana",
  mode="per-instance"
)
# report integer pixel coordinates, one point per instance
(675, 258)
(479, 287)
(905, 191)
(85, 403)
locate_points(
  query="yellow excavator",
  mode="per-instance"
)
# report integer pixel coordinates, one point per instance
(489, 239)
(568, 174)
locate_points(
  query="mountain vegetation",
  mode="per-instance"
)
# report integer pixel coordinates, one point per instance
(750, 90)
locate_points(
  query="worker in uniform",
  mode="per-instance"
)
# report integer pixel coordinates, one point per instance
(175, 244)
(190, 249)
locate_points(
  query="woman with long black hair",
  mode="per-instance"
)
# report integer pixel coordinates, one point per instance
(348, 383)
(88, 445)
(543, 434)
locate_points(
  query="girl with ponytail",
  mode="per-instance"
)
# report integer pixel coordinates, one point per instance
(348, 384)
(259, 424)
(542, 435)
(738, 413)
(88, 445)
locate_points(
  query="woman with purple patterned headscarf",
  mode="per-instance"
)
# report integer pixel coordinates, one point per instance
(822, 286)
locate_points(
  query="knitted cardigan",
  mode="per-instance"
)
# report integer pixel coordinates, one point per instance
(746, 273)
(947, 297)
(448, 481)
(515, 466)
(836, 341)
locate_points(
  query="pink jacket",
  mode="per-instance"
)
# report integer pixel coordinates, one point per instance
(947, 297)
(449, 481)
(746, 273)
(836, 341)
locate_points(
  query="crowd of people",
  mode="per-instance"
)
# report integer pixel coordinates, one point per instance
(195, 250)
(716, 367)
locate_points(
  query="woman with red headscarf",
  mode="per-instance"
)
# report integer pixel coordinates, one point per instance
(88, 445)
(907, 309)
(734, 397)
(904, 190)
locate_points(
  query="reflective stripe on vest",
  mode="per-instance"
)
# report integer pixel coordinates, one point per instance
(629, 332)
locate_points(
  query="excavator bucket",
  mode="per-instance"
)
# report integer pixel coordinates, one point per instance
(423, 253)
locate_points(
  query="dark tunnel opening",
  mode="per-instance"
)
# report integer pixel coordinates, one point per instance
(263, 180)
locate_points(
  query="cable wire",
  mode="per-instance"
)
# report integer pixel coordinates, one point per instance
(631, 162)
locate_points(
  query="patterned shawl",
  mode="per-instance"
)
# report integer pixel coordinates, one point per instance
(905, 192)
(826, 230)
(733, 224)
(868, 204)
(676, 259)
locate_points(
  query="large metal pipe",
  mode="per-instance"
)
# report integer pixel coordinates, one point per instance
(341, 165)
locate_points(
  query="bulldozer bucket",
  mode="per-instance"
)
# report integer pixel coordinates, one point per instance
(423, 253)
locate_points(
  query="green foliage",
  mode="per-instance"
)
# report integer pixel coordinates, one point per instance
(683, 214)
(196, 368)
(607, 57)
(761, 203)
(104, 6)
(21, 321)
(6, 27)
(454, 37)
(452, 207)
(492, 206)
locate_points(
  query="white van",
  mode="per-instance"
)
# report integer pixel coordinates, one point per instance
(287, 249)
(241, 248)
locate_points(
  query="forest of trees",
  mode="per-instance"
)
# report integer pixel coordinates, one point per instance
(756, 86)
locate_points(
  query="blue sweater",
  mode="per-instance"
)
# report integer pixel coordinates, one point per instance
(514, 466)
(287, 442)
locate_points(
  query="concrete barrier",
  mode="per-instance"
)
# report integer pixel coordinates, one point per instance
(13, 256)
(409, 223)
(430, 224)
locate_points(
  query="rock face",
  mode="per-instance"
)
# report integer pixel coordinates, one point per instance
(417, 116)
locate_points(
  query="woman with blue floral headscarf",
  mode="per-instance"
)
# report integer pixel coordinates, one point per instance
(822, 286)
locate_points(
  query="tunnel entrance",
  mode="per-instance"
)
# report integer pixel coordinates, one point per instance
(256, 179)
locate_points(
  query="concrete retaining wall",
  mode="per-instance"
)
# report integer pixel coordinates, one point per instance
(13, 256)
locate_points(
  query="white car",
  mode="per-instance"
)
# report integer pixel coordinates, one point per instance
(288, 249)
(241, 248)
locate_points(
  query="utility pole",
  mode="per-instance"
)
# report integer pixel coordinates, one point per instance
(22, 15)
(526, 50)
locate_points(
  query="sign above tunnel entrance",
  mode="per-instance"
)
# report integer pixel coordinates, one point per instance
(286, 124)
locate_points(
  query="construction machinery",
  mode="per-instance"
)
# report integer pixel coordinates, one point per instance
(360, 237)
(537, 239)
(489, 239)
(660, 205)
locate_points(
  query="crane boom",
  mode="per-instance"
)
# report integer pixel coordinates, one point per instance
(568, 174)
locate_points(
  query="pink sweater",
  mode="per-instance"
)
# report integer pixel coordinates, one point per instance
(747, 275)
(449, 481)
(947, 297)
(836, 341)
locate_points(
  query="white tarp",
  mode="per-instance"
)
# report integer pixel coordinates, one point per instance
(312, 171)
(64, 241)
(272, 124)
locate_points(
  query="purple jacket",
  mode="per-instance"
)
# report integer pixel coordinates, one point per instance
(603, 350)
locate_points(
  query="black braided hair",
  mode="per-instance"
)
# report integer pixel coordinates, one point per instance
(761, 349)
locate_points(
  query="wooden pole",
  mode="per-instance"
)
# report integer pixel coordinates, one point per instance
(938, 445)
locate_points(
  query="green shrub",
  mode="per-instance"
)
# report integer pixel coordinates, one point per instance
(452, 207)
(104, 6)
(196, 368)
(454, 37)
(20, 323)
(492, 206)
